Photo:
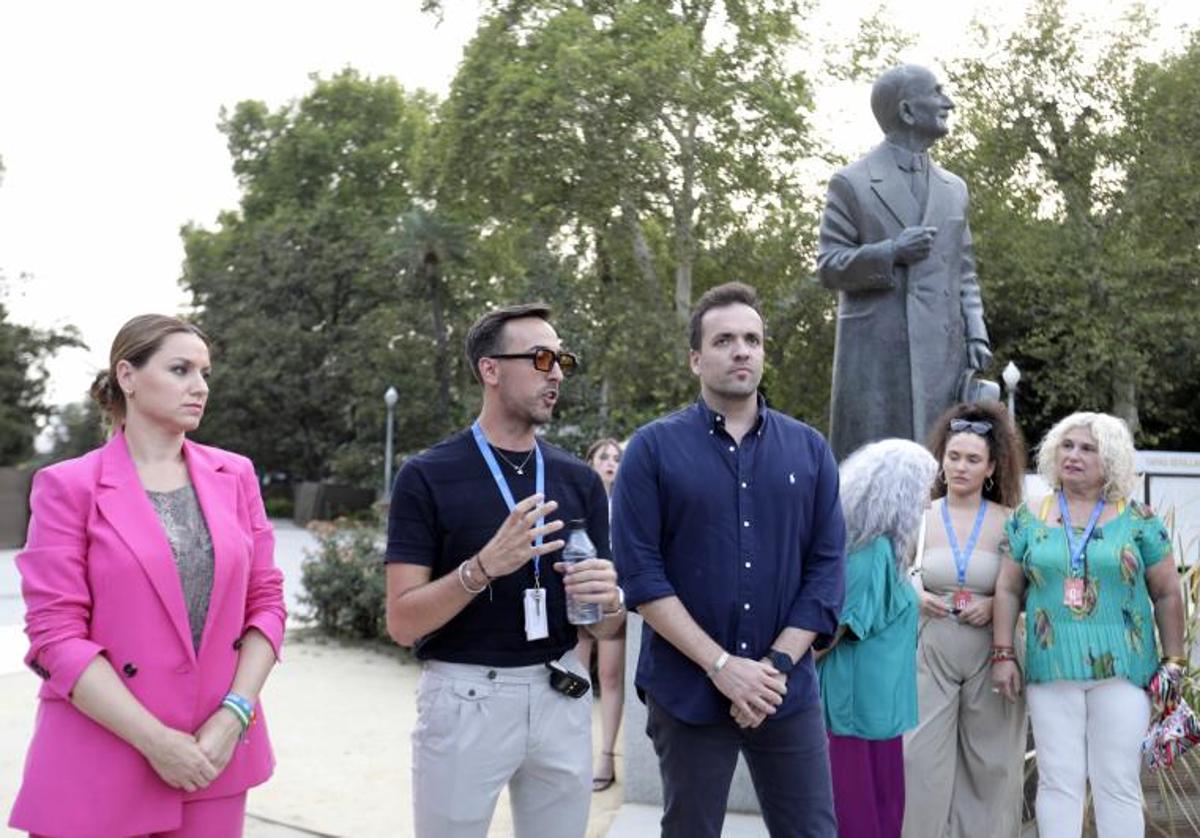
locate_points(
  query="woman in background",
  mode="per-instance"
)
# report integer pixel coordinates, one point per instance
(154, 611)
(868, 679)
(963, 762)
(604, 456)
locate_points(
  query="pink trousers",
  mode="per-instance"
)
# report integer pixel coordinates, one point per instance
(218, 816)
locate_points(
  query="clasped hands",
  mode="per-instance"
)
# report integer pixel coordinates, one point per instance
(754, 688)
(513, 546)
(978, 613)
(192, 761)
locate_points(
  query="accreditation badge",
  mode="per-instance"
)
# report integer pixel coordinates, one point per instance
(1073, 593)
(962, 600)
(536, 625)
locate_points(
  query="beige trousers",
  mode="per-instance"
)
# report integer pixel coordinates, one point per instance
(964, 762)
(481, 728)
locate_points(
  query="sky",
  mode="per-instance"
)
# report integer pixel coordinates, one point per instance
(109, 139)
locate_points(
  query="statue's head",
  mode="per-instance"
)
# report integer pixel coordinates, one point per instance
(910, 100)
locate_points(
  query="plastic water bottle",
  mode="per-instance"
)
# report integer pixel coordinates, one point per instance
(580, 548)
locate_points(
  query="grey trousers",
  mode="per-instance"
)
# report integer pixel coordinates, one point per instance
(481, 728)
(964, 762)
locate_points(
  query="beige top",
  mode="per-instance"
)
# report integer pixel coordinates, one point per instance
(938, 572)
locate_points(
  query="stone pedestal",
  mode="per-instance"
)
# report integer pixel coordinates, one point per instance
(641, 780)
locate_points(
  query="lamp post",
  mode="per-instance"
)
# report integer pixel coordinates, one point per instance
(1011, 376)
(389, 398)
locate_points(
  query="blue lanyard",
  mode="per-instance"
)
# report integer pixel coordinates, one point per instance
(1075, 548)
(539, 486)
(963, 557)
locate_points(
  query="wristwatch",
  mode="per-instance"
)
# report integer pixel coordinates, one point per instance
(781, 661)
(620, 604)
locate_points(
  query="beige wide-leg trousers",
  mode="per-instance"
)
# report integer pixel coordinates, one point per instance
(964, 762)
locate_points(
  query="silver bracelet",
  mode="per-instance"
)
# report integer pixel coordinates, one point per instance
(462, 568)
(718, 665)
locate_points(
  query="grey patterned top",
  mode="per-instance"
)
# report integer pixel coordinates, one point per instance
(187, 531)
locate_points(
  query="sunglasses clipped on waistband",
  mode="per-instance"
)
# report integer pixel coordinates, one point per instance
(545, 359)
(980, 428)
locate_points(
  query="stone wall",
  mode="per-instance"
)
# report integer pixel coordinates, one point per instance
(14, 505)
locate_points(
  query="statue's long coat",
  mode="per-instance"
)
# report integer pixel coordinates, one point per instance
(901, 330)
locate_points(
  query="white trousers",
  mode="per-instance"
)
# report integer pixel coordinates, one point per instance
(1089, 731)
(481, 728)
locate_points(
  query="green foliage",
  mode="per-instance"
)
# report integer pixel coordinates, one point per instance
(345, 583)
(77, 429)
(1084, 289)
(615, 158)
(23, 354)
(606, 148)
(300, 289)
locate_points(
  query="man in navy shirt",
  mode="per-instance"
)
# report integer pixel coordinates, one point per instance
(472, 583)
(728, 536)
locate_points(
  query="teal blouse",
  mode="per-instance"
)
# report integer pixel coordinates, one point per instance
(1112, 633)
(869, 679)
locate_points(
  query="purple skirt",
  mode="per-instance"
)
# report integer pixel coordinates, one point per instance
(868, 786)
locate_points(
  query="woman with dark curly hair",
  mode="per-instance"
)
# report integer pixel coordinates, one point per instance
(962, 763)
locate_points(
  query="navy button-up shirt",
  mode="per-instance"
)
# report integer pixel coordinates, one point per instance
(749, 536)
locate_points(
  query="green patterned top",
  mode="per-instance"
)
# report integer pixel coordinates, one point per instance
(1112, 633)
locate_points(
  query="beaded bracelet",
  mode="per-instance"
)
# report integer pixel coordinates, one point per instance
(1172, 660)
(479, 561)
(241, 708)
(1002, 653)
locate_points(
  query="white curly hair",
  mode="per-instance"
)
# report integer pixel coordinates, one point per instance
(885, 487)
(1114, 444)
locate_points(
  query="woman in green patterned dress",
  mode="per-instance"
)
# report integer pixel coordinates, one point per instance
(1096, 576)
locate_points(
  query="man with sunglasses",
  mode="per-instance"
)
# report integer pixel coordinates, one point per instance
(729, 538)
(474, 585)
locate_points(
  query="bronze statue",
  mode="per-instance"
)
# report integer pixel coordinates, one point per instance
(896, 246)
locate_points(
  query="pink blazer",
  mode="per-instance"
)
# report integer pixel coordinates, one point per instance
(98, 578)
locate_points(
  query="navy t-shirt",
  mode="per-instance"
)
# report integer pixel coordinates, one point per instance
(446, 507)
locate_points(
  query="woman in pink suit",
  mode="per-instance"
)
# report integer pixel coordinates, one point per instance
(154, 611)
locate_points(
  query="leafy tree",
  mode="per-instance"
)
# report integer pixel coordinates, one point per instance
(23, 410)
(1064, 242)
(1162, 242)
(77, 429)
(616, 156)
(299, 290)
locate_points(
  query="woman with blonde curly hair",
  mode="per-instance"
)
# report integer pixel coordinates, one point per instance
(868, 680)
(1096, 576)
(962, 763)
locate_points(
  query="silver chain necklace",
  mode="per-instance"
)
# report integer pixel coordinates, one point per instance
(519, 469)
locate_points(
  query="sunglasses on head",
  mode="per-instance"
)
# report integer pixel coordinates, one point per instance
(545, 359)
(981, 428)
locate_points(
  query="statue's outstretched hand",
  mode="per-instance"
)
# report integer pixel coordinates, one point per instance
(979, 355)
(914, 244)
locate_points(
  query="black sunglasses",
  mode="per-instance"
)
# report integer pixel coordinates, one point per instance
(960, 425)
(545, 359)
